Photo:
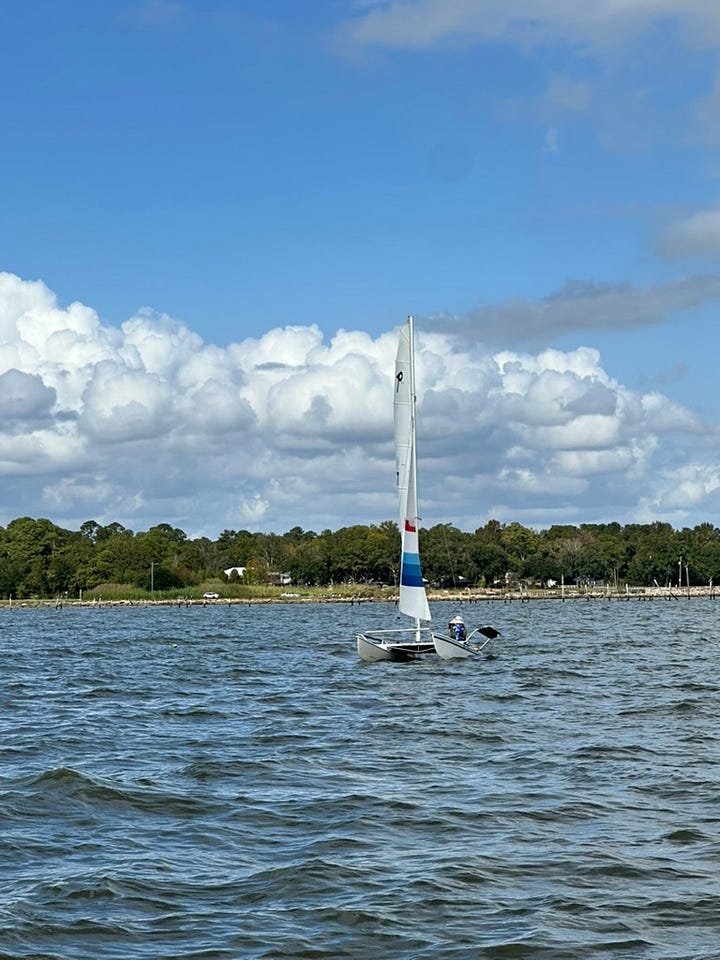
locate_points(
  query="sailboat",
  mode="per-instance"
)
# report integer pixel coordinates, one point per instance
(411, 642)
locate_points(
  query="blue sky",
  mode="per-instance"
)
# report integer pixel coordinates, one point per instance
(286, 181)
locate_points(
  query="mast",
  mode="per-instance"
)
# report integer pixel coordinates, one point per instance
(413, 441)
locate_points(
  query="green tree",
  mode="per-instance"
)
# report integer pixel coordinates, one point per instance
(490, 560)
(360, 554)
(114, 559)
(235, 548)
(519, 543)
(309, 562)
(703, 554)
(653, 554)
(159, 577)
(201, 556)
(446, 556)
(29, 546)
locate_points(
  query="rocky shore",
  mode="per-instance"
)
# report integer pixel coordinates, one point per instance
(452, 596)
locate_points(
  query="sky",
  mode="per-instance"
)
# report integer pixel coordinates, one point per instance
(215, 215)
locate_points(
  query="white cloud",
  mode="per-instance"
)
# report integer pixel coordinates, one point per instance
(420, 24)
(121, 404)
(583, 463)
(253, 510)
(147, 424)
(663, 416)
(24, 397)
(676, 494)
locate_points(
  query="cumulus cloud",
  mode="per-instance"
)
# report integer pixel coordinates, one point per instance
(677, 493)
(147, 423)
(24, 397)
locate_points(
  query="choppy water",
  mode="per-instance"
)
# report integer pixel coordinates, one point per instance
(232, 782)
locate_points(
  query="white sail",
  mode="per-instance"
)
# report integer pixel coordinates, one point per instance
(403, 412)
(413, 599)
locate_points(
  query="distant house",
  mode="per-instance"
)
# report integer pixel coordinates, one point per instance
(280, 579)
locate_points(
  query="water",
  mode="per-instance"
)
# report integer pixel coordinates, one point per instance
(232, 782)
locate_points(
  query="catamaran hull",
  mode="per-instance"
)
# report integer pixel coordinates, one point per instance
(450, 649)
(373, 650)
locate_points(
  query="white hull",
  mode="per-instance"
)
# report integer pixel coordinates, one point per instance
(375, 648)
(450, 649)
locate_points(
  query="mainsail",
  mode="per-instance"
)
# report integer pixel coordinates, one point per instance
(413, 599)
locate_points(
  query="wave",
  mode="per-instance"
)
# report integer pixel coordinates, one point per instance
(57, 791)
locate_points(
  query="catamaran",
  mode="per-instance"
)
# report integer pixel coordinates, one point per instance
(412, 642)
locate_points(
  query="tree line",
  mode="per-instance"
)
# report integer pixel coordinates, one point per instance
(41, 559)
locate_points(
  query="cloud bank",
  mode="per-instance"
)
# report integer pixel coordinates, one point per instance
(147, 423)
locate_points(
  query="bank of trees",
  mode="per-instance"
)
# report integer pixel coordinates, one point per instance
(38, 558)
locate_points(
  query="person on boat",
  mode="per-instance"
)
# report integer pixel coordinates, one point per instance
(457, 629)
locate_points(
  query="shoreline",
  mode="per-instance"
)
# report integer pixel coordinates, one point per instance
(485, 596)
